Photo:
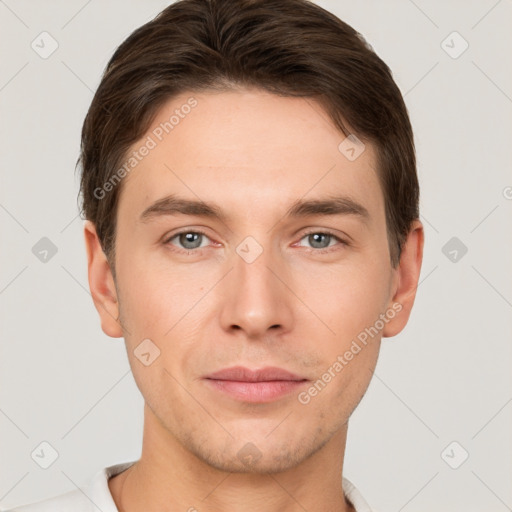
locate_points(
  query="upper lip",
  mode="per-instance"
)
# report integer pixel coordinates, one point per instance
(242, 374)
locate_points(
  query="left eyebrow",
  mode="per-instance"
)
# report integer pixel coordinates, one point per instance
(338, 205)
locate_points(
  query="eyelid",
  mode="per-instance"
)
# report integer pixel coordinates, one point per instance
(183, 231)
(325, 231)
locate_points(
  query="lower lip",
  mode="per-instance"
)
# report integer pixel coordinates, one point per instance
(256, 391)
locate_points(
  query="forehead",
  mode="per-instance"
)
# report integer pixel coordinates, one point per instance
(247, 148)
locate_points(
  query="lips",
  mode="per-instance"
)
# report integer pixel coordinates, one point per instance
(255, 386)
(241, 374)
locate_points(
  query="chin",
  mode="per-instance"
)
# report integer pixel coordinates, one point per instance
(263, 456)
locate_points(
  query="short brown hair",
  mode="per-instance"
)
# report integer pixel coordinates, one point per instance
(286, 47)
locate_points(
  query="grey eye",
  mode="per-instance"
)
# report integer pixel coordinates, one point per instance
(319, 240)
(189, 240)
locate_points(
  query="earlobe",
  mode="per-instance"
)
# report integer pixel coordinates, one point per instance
(407, 277)
(101, 283)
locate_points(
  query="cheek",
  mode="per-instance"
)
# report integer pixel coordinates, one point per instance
(165, 304)
(348, 297)
(155, 294)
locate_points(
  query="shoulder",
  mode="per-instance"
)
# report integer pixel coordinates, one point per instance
(74, 501)
(93, 496)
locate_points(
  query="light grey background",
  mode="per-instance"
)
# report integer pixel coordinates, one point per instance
(446, 377)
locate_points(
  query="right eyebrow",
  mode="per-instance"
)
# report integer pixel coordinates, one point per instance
(172, 205)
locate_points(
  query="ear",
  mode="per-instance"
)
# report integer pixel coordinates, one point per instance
(406, 280)
(101, 283)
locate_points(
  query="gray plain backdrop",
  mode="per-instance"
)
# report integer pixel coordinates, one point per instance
(434, 429)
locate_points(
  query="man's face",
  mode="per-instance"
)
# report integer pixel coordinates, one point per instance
(260, 288)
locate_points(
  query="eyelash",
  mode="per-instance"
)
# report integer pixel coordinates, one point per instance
(310, 249)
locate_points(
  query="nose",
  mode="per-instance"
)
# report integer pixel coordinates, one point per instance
(255, 297)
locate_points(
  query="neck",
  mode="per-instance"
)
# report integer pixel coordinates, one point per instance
(169, 477)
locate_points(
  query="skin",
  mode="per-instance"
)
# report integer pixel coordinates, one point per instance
(253, 154)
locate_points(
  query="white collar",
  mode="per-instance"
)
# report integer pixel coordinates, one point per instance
(99, 491)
